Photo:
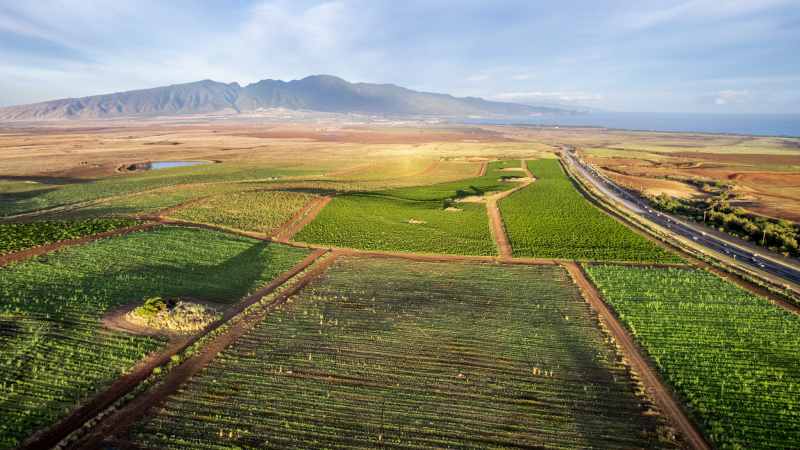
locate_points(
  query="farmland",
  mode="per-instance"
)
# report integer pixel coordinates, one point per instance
(259, 211)
(423, 219)
(20, 236)
(730, 355)
(55, 351)
(457, 339)
(388, 352)
(550, 219)
(57, 195)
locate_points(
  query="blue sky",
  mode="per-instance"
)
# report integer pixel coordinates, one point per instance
(683, 56)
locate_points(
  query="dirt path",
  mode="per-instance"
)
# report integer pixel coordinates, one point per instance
(41, 250)
(302, 218)
(482, 170)
(496, 224)
(659, 392)
(121, 421)
(51, 436)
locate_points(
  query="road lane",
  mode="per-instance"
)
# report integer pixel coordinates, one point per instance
(760, 260)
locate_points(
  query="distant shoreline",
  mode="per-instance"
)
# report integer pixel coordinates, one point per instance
(757, 125)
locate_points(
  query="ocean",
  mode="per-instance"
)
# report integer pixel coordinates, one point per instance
(745, 124)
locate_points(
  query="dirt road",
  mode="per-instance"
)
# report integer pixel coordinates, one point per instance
(496, 219)
(662, 395)
(302, 218)
(49, 437)
(122, 420)
(42, 249)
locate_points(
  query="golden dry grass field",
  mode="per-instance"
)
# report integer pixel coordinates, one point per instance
(764, 172)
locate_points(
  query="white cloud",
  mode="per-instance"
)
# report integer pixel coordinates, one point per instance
(696, 9)
(555, 96)
(522, 77)
(730, 96)
(478, 77)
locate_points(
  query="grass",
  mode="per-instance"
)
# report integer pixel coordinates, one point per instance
(731, 356)
(57, 195)
(373, 222)
(54, 351)
(551, 219)
(412, 219)
(260, 211)
(20, 236)
(382, 352)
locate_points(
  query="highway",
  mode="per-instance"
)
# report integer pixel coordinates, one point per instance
(760, 260)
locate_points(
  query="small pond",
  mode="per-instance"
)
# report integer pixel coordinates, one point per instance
(157, 165)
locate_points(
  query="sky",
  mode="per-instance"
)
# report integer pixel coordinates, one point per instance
(728, 56)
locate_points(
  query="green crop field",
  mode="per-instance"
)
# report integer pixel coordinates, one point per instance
(415, 219)
(731, 356)
(374, 222)
(55, 195)
(20, 236)
(383, 352)
(261, 211)
(550, 219)
(54, 351)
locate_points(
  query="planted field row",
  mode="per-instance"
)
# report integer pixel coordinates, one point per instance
(20, 236)
(382, 352)
(259, 211)
(551, 219)
(421, 219)
(55, 195)
(730, 355)
(54, 350)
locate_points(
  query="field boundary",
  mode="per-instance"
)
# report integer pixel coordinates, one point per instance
(719, 269)
(96, 404)
(496, 224)
(121, 420)
(663, 396)
(302, 218)
(55, 246)
(483, 168)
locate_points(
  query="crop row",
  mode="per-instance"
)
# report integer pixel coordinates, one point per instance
(55, 195)
(54, 350)
(730, 355)
(550, 219)
(384, 352)
(421, 219)
(20, 236)
(260, 211)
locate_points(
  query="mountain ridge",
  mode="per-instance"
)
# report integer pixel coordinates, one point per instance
(322, 93)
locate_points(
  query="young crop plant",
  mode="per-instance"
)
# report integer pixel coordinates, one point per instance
(422, 219)
(551, 219)
(373, 222)
(20, 236)
(57, 195)
(391, 353)
(260, 211)
(55, 351)
(731, 356)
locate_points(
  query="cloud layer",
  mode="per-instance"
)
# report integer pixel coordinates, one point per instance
(696, 55)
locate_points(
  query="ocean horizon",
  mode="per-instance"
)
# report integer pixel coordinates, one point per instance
(779, 125)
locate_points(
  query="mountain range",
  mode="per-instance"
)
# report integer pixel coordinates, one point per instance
(324, 93)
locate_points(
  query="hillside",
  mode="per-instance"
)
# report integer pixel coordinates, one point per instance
(323, 93)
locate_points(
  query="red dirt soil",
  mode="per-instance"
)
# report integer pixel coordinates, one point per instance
(663, 397)
(53, 435)
(302, 218)
(122, 420)
(41, 250)
(497, 226)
